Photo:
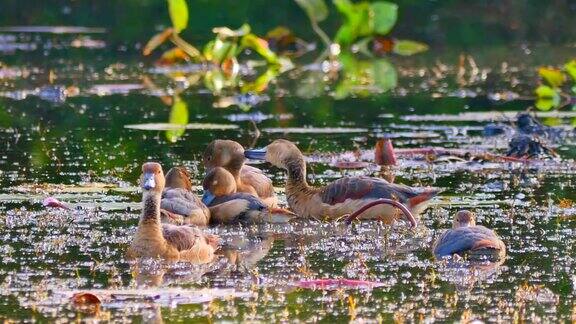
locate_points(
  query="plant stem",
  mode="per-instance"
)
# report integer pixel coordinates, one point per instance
(325, 39)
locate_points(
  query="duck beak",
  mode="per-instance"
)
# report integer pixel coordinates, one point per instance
(149, 182)
(256, 154)
(208, 197)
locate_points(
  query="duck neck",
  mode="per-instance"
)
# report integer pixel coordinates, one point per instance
(151, 208)
(297, 174)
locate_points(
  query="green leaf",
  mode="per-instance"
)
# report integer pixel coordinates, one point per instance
(315, 9)
(546, 98)
(178, 117)
(571, 68)
(225, 32)
(222, 50)
(261, 47)
(385, 16)
(552, 76)
(408, 47)
(358, 22)
(178, 10)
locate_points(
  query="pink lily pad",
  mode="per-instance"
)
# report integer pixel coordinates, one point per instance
(54, 203)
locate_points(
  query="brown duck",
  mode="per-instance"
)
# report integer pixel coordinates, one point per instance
(180, 205)
(230, 155)
(366, 197)
(166, 241)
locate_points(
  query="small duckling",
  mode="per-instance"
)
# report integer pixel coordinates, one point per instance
(170, 242)
(230, 155)
(344, 196)
(230, 207)
(466, 237)
(180, 205)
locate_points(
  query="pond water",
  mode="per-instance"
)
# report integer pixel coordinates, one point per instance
(76, 123)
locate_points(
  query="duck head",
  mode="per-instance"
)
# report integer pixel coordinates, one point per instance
(224, 153)
(218, 182)
(152, 179)
(464, 218)
(178, 177)
(279, 153)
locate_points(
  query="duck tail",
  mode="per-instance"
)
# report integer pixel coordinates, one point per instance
(423, 197)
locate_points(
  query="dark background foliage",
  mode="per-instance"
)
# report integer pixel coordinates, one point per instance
(441, 23)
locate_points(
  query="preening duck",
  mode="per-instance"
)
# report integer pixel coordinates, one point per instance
(465, 237)
(230, 207)
(180, 205)
(170, 242)
(347, 196)
(230, 155)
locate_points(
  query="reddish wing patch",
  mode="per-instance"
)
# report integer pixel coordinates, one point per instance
(484, 244)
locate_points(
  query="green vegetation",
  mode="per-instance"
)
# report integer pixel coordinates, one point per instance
(558, 88)
(363, 22)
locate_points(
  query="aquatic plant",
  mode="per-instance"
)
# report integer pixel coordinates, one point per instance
(221, 51)
(363, 23)
(557, 88)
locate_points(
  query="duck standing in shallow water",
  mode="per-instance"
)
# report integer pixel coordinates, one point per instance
(466, 237)
(230, 155)
(180, 205)
(350, 195)
(230, 207)
(170, 242)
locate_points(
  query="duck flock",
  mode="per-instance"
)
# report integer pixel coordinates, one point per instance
(173, 216)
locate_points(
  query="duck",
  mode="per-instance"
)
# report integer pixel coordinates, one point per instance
(227, 206)
(180, 205)
(467, 238)
(229, 155)
(154, 239)
(351, 197)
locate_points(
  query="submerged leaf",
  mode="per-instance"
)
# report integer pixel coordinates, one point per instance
(552, 76)
(408, 47)
(315, 9)
(385, 15)
(178, 10)
(178, 116)
(157, 40)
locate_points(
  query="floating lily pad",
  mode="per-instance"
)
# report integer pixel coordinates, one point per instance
(168, 126)
(314, 130)
(53, 29)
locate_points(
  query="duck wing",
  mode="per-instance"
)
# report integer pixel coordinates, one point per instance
(464, 239)
(252, 202)
(257, 179)
(181, 237)
(362, 188)
(181, 201)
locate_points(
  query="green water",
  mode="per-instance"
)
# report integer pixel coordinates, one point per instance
(82, 139)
